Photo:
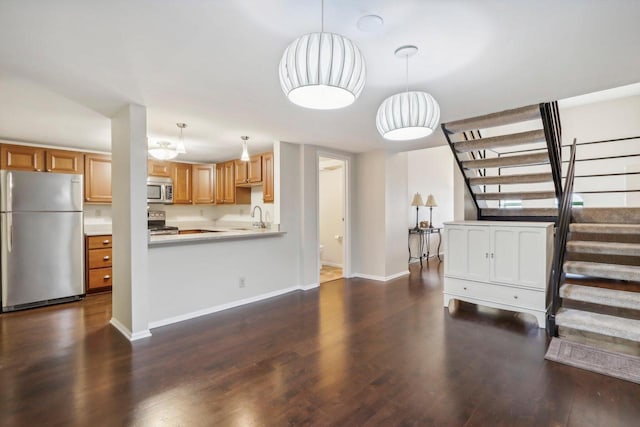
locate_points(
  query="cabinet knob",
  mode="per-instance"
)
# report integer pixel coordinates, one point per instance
(106, 277)
(515, 297)
(465, 288)
(491, 255)
(106, 257)
(486, 254)
(105, 242)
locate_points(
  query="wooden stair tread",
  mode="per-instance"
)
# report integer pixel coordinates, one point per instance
(605, 248)
(508, 161)
(625, 215)
(516, 115)
(522, 138)
(607, 271)
(602, 296)
(603, 324)
(524, 195)
(528, 178)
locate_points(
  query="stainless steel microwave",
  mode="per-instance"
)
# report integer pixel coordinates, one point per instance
(159, 190)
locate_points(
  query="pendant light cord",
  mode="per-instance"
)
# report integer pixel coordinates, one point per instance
(407, 71)
(322, 16)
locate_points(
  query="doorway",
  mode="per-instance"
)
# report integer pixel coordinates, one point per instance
(331, 218)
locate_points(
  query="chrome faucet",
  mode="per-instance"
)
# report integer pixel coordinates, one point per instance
(260, 224)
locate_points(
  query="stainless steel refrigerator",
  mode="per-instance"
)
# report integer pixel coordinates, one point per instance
(42, 244)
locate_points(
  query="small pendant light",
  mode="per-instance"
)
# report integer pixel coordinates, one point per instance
(180, 149)
(245, 153)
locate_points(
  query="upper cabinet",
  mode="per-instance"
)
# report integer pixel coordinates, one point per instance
(249, 173)
(24, 158)
(229, 193)
(181, 173)
(203, 184)
(97, 178)
(60, 161)
(159, 168)
(219, 183)
(267, 178)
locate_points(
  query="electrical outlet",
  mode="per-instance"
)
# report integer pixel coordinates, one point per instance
(98, 212)
(201, 212)
(243, 283)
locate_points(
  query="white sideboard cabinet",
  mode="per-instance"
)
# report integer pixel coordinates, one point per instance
(500, 264)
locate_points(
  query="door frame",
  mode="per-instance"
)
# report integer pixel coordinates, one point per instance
(346, 225)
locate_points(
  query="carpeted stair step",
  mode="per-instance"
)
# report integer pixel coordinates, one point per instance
(602, 296)
(528, 178)
(607, 271)
(603, 228)
(519, 212)
(604, 248)
(530, 195)
(502, 118)
(606, 215)
(509, 161)
(603, 324)
(522, 138)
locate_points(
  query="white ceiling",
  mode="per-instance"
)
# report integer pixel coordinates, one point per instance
(67, 65)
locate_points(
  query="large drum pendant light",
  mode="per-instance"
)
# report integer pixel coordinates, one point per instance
(410, 114)
(322, 71)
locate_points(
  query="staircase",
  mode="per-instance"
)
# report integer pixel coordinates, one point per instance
(600, 287)
(513, 172)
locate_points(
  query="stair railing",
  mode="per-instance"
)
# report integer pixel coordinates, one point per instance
(550, 114)
(562, 232)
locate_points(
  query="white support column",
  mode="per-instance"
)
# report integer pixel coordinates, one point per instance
(130, 312)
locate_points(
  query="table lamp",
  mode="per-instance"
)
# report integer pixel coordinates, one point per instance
(417, 202)
(431, 203)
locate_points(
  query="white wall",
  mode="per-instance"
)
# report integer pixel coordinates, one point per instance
(380, 242)
(331, 207)
(431, 171)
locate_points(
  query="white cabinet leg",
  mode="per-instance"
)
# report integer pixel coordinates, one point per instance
(453, 305)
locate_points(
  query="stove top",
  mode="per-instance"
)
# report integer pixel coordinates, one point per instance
(162, 230)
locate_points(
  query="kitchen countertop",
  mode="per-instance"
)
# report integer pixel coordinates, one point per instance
(97, 229)
(219, 233)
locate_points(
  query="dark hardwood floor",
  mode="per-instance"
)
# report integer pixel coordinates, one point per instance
(355, 352)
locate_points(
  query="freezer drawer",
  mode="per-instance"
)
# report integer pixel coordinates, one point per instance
(40, 192)
(42, 256)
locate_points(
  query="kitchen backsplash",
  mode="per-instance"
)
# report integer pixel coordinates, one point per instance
(101, 214)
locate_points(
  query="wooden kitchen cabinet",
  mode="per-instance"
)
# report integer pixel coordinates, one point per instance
(25, 158)
(61, 161)
(248, 173)
(22, 158)
(240, 172)
(267, 178)
(98, 258)
(203, 184)
(219, 184)
(159, 168)
(229, 195)
(97, 178)
(182, 176)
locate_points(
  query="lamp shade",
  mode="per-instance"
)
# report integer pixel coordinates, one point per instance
(417, 200)
(431, 202)
(408, 115)
(162, 150)
(323, 71)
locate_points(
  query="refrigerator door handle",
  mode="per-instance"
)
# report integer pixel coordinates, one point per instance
(9, 191)
(10, 232)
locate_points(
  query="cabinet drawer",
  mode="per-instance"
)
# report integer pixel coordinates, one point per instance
(99, 258)
(99, 278)
(500, 294)
(97, 242)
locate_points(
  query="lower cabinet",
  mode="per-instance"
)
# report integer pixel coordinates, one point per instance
(499, 264)
(98, 263)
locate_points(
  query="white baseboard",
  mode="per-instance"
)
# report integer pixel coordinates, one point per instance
(309, 287)
(232, 304)
(127, 333)
(331, 264)
(380, 278)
